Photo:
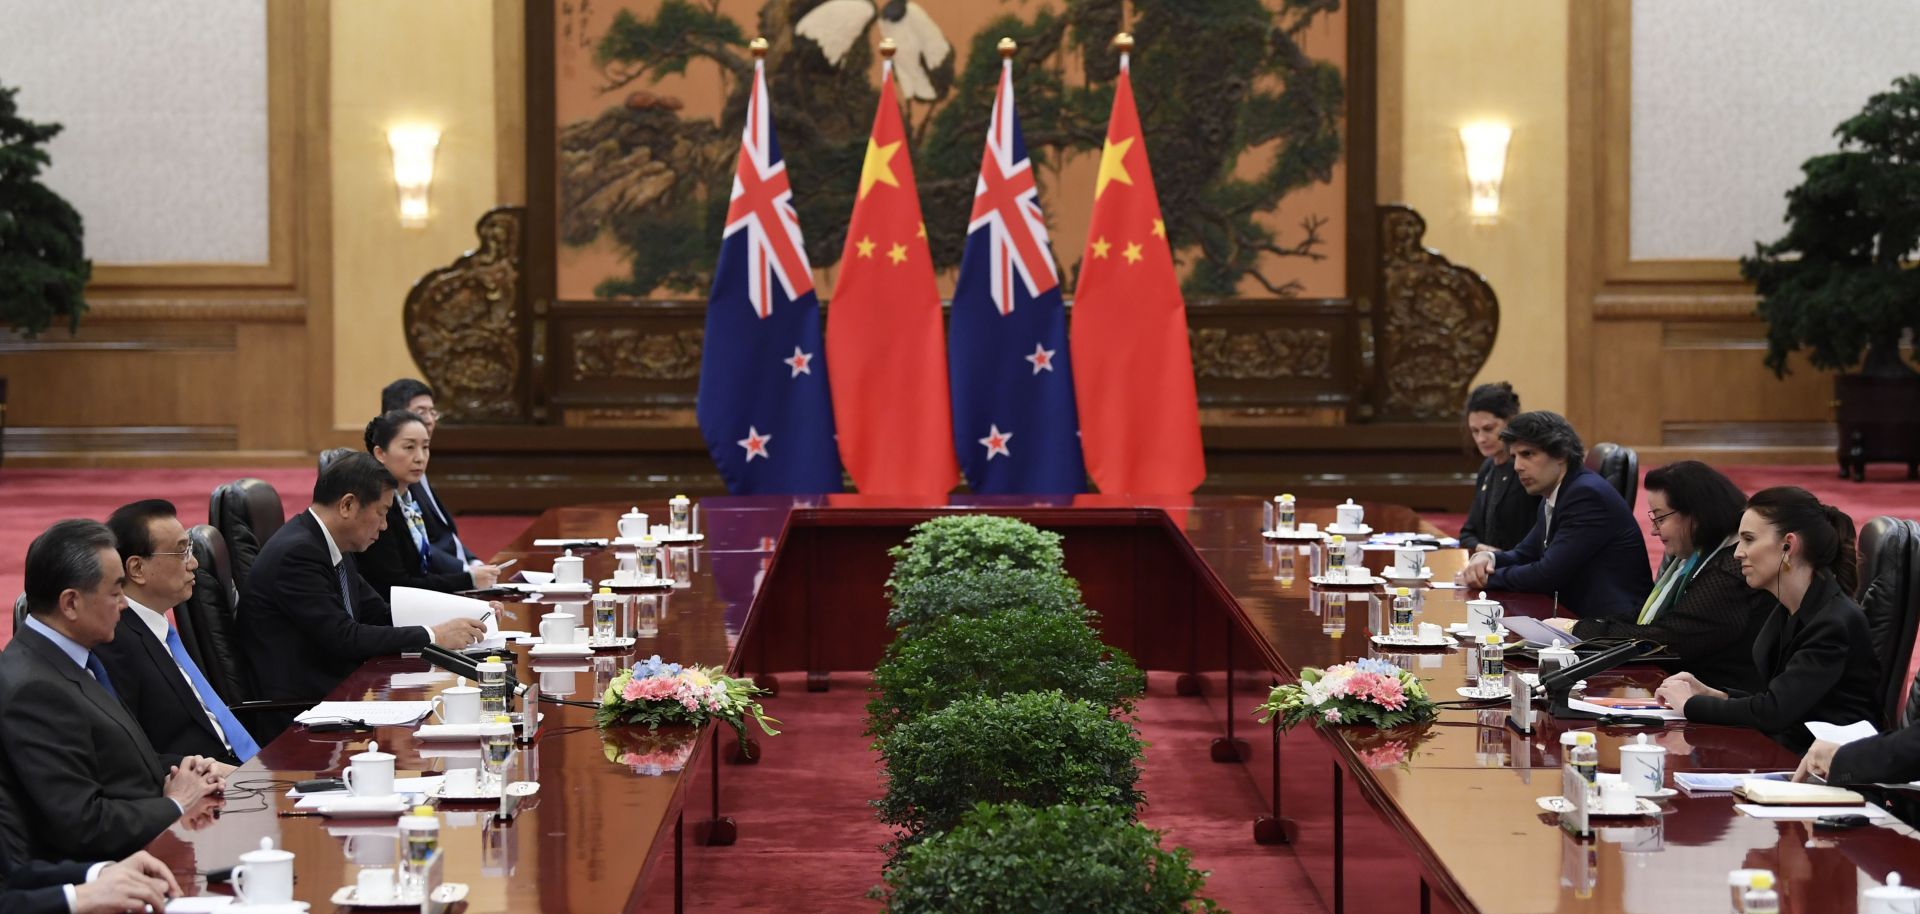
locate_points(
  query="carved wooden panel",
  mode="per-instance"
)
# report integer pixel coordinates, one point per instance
(1438, 324)
(1266, 355)
(632, 353)
(466, 327)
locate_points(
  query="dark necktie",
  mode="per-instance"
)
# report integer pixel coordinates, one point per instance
(346, 593)
(99, 671)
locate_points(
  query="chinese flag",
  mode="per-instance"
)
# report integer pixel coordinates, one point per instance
(1133, 373)
(883, 330)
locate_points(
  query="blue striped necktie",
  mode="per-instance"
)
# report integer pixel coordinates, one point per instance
(99, 671)
(346, 592)
(238, 739)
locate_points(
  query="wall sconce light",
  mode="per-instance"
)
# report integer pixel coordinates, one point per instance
(413, 150)
(1486, 148)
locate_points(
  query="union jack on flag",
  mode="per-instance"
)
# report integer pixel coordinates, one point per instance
(1006, 201)
(764, 408)
(762, 206)
(1015, 428)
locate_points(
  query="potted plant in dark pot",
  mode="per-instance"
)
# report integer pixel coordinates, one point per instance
(43, 267)
(1841, 285)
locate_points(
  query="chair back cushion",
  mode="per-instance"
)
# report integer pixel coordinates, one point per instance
(1619, 466)
(332, 454)
(19, 610)
(1886, 594)
(246, 512)
(207, 621)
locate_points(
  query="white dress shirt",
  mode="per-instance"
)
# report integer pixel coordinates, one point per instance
(73, 895)
(1546, 518)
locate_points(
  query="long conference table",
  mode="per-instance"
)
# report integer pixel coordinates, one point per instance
(790, 590)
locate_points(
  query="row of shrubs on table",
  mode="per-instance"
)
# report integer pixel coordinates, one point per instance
(1006, 728)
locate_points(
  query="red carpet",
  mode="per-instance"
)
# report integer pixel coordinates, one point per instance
(34, 499)
(809, 841)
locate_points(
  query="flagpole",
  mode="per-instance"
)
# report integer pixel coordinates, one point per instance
(1123, 43)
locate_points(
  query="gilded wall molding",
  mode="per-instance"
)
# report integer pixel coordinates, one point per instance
(1263, 354)
(631, 354)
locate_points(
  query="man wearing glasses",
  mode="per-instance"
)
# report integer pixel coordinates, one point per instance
(155, 677)
(448, 554)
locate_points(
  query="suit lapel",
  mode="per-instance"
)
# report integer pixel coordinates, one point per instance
(131, 626)
(94, 693)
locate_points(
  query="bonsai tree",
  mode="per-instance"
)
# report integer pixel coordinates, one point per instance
(42, 268)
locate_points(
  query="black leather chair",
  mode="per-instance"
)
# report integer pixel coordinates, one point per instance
(1619, 466)
(19, 610)
(1889, 588)
(208, 623)
(334, 453)
(246, 512)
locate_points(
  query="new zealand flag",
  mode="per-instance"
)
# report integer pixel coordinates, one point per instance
(764, 405)
(1014, 425)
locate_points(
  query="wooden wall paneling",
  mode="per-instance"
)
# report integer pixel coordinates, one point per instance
(272, 353)
(316, 223)
(1628, 367)
(1584, 169)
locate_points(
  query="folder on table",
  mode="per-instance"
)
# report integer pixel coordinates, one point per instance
(1788, 793)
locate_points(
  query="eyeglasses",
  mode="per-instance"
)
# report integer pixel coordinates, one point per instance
(428, 413)
(181, 555)
(1655, 519)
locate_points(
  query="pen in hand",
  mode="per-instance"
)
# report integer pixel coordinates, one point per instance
(506, 564)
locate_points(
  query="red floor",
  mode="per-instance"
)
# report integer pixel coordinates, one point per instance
(817, 848)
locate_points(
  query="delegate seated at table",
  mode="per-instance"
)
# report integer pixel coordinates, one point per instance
(402, 556)
(1701, 608)
(1814, 652)
(1502, 511)
(1585, 546)
(449, 553)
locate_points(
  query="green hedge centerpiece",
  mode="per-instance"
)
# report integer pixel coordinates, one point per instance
(1034, 748)
(981, 593)
(1011, 859)
(1364, 691)
(1012, 650)
(973, 542)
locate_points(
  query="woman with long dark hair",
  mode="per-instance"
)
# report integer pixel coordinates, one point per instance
(402, 556)
(1700, 607)
(1814, 652)
(1502, 511)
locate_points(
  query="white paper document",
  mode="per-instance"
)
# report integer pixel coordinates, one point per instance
(588, 540)
(413, 606)
(199, 904)
(536, 578)
(1831, 733)
(1810, 812)
(1657, 713)
(374, 713)
(418, 680)
(407, 786)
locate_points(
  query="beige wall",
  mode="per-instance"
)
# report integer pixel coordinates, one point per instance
(428, 62)
(1505, 60)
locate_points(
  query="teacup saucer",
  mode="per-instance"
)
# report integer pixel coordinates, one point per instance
(681, 538)
(582, 587)
(1325, 581)
(286, 907)
(1390, 641)
(349, 897)
(1664, 793)
(560, 650)
(1392, 573)
(641, 584)
(611, 644)
(1296, 536)
(1350, 532)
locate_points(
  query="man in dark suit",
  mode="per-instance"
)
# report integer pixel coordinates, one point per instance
(29, 886)
(449, 555)
(1585, 545)
(80, 767)
(307, 619)
(157, 679)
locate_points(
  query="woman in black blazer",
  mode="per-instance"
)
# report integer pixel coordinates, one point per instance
(1700, 607)
(1502, 511)
(401, 556)
(1814, 651)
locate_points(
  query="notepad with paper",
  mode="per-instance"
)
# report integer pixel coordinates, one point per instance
(1787, 793)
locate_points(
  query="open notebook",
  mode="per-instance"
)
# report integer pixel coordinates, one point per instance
(1787, 793)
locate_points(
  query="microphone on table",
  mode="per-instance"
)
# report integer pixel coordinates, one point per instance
(1557, 684)
(462, 665)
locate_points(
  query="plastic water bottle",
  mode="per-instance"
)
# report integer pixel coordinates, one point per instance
(419, 837)
(1337, 557)
(1760, 897)
(1585, 759)
(649, 559)
(1284, 513)
(1400, 618)
(1493, 660)
(679, 515)
(493, 687)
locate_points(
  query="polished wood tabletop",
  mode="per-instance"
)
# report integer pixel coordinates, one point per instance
(783, 585)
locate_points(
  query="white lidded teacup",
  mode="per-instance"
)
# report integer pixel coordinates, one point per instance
(1892, 898)
(569, 569)
(265, 877)
(633, 524)
(370, 774)
(1643, 765)
(459, 704)
(1484, 615)
(557, 627)
(1350, 516)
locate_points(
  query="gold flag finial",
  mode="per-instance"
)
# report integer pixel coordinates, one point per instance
(887, 47)
(1007, 48)
(1123, 43)
(759, 48)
